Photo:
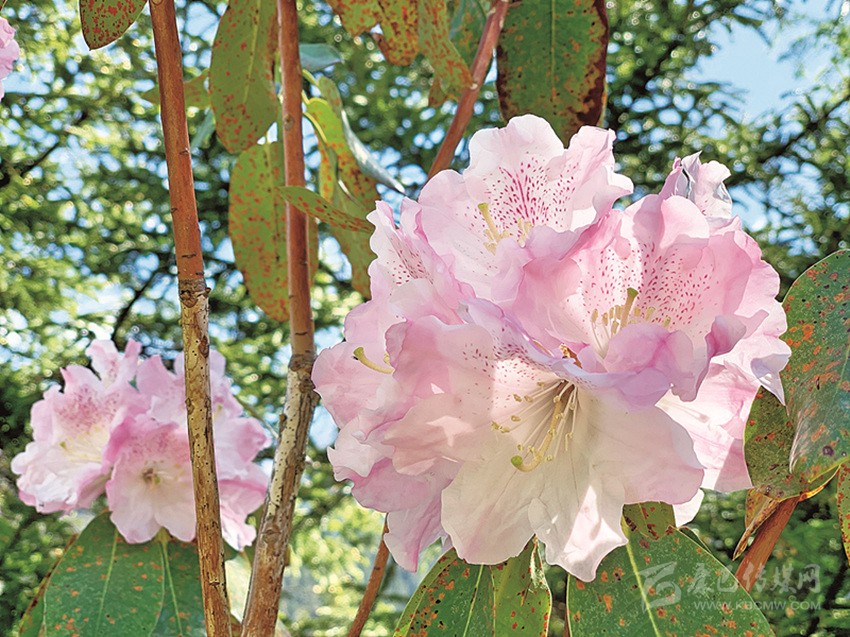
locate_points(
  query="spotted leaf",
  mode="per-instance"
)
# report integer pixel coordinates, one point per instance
(183, 608)
(104, 21)
(521, 595)
(465, 30)
(843, 500)
(104, 586)
(650, 519)
(817, 379)
(242, 89)
(671, 586)
(551, 62)
(315, 205)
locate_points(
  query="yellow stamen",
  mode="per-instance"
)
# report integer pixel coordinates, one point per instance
(360, 355)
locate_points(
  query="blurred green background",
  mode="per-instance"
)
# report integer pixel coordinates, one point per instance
(85, 245)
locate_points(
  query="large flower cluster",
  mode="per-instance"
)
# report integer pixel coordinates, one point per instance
(9, 51)
(532, 359)
(122, 429)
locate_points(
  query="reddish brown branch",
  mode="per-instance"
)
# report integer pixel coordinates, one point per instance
(759, 552)
(373, 587)
(276, 527)
(194, 312)
(480, 66)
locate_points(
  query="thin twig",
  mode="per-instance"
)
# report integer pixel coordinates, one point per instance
(759, 552)
(480, 66)
(276, 527)
(194, 314)
(372, 587)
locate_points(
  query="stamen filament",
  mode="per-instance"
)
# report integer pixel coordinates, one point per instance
(360, 355)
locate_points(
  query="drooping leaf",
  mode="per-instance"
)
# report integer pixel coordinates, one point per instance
(242, 89)
(843, 501)
(521, 595)
(195, 92)
(104, 21)
(183, 606)
(346, 186)
(315, 205)
(366, 160)
(257, 225)
(551, 62)
(671, 586)
(650, 519)
(465, 29)
(32, 622)
(817, 379)
(408, 28)
(455, 598)
(315, 57)
(104, 586)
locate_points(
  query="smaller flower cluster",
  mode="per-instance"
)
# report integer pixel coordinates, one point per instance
(121, 429)
(9, 51)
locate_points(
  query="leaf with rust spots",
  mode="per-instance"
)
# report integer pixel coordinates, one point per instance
(104, 586)
(315, 205)
(650, 519)
(843, 501)
(817, 379)
(408, 28)
(346, 186)
(664, 587)
(257, 225)
(551, 62)
(456, 598)
(104, 21)
(183, 608)
(195, 93)
(242, 89)
(465, 29)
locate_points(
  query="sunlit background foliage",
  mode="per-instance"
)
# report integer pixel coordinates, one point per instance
(85, 246)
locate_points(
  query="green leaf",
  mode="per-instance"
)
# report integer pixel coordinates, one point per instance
(242, 89)
(183, 606)
(104, 586)
(843, 500)
(104, 21)
(522, 597)
(32, 622)
(817, 379)
(346, 186)
(315, 57)
(455, 598)
(671, 586)
(364, 157)
(195, 92)
(257, 225)
(315, 205)
(650, 519)
(408, 28)
(551, 62)
(465, 31)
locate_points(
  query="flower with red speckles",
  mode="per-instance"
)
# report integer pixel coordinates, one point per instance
(533, 360)
(9, 51)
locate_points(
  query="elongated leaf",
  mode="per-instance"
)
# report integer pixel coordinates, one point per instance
(242, 88)
(104, 586)
(195, 92)
(183, 606)
(257, 224)
(315, 57)
(671, 586)
(104, 21)
(465, 29)
(843, 501)
(817, 379)
(343, 184)
(456, 600)
(32, 623)
(315, 205)
(551, 61)
(521, 595)
(367, 162)
(650, 519)
(407, 28)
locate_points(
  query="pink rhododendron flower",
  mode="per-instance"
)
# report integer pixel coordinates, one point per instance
(62, 468)
(9, 51)
(124, 429)
(532, 360)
